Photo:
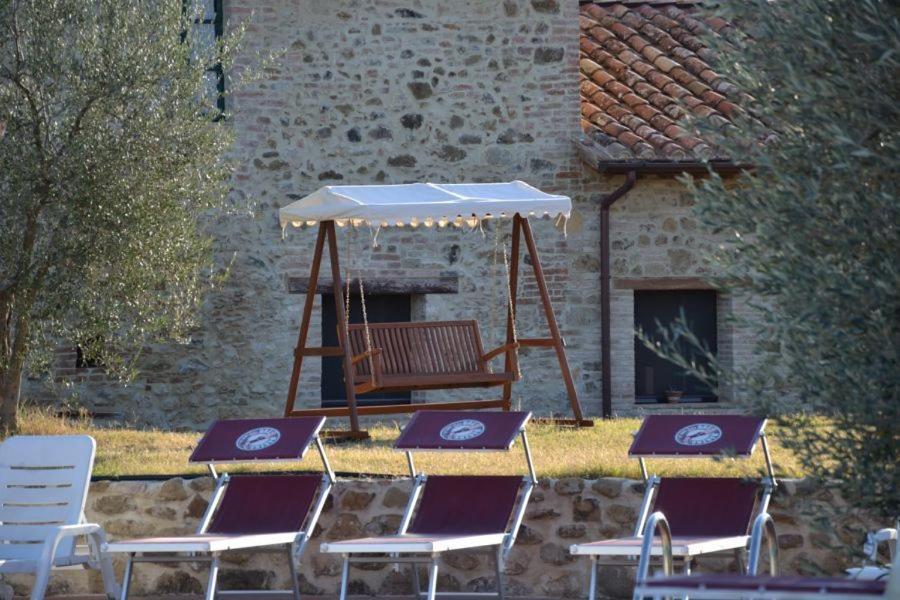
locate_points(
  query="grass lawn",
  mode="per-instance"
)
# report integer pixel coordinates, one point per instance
(590, 452)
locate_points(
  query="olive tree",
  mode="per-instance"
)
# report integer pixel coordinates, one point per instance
(813, 232)
(112, 152)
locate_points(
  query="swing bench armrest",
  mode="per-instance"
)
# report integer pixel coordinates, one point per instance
(498, 351)
(374, 353)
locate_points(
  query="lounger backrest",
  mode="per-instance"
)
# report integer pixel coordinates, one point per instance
(707, 506)
(466, 505)
(462, 430)
(255, 440)
(429, 348)
(255, 504)
(43, 484)
(698, 436)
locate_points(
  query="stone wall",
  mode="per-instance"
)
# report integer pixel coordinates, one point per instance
(816, 535)
(387, 91)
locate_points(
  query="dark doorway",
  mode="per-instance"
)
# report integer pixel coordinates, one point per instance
(656, 378)
(385, 308)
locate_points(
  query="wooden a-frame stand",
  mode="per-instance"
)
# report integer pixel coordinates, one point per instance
(327, 234)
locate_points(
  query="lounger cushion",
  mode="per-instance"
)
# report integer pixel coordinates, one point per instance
(814, 585)
(681, 546)
(412, 543)
(466, 505)
(255, 504)
(203, 543)
(707, 506)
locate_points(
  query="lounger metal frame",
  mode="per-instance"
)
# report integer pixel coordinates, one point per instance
(294, 549)
(503, 549)
(763, 527)
(644, 523)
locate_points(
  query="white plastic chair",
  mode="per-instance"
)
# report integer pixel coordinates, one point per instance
(43, 488)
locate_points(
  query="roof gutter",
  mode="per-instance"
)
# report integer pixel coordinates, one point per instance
(654, 167)
(605, 334)
(607, 165)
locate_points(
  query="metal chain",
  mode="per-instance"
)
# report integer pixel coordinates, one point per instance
(512, 308)
(362, 300)
(495, 286)
(347, 255)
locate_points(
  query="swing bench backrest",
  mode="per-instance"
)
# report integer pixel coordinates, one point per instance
(424, 354)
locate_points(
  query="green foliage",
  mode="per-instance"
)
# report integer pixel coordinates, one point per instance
(812, 232)
(112, 154)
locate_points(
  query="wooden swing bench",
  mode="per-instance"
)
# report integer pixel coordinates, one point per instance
(424, 356)
(403, 357)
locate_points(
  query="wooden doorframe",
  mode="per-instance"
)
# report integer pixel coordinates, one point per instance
(521, 228)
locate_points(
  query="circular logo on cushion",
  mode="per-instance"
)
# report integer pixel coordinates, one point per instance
(462, 430)
(258, 439)
(698, 434)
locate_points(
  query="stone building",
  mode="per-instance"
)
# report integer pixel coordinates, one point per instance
(567, 96)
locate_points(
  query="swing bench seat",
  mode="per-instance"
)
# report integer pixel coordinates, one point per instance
(424, 356)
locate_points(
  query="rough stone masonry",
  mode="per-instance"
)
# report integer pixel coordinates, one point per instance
(386, 91)
(817, 532)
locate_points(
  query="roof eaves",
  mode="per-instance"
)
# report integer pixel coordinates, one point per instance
(602, 163)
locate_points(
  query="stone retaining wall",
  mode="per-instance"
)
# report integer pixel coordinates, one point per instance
(816, 534)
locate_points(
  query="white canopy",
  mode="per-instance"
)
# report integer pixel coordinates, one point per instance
(422, 203)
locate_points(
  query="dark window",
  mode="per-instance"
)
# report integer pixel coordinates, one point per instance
(83, 360)
(391, 308)
(655, 378)
(207, 30)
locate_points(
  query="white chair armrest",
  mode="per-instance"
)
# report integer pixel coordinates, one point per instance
(763, 526)
(96, 543)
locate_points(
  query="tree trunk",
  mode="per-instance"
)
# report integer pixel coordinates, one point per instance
(10, 387)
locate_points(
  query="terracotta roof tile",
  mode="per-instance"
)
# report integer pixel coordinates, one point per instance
(634, 101)
(646, 112)
(664, 63)
(645, 89)
(667, 105)
(644, 67)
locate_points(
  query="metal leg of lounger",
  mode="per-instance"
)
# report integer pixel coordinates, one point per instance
(126, 578)
(432, 579)
(497, 563)
(345, 577)
(739, 559)
(417, 586)
(687, 571)
(213, 578)
(292, 568)
(592, 588)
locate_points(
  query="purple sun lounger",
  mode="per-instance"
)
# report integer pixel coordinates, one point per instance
(246, 511)
(446, 513)
(707, 514)
(857, 586)
(752, 587)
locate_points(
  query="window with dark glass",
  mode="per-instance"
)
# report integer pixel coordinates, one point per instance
(380, 308)
(85, 359)
(655, 378)
(208, 30)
